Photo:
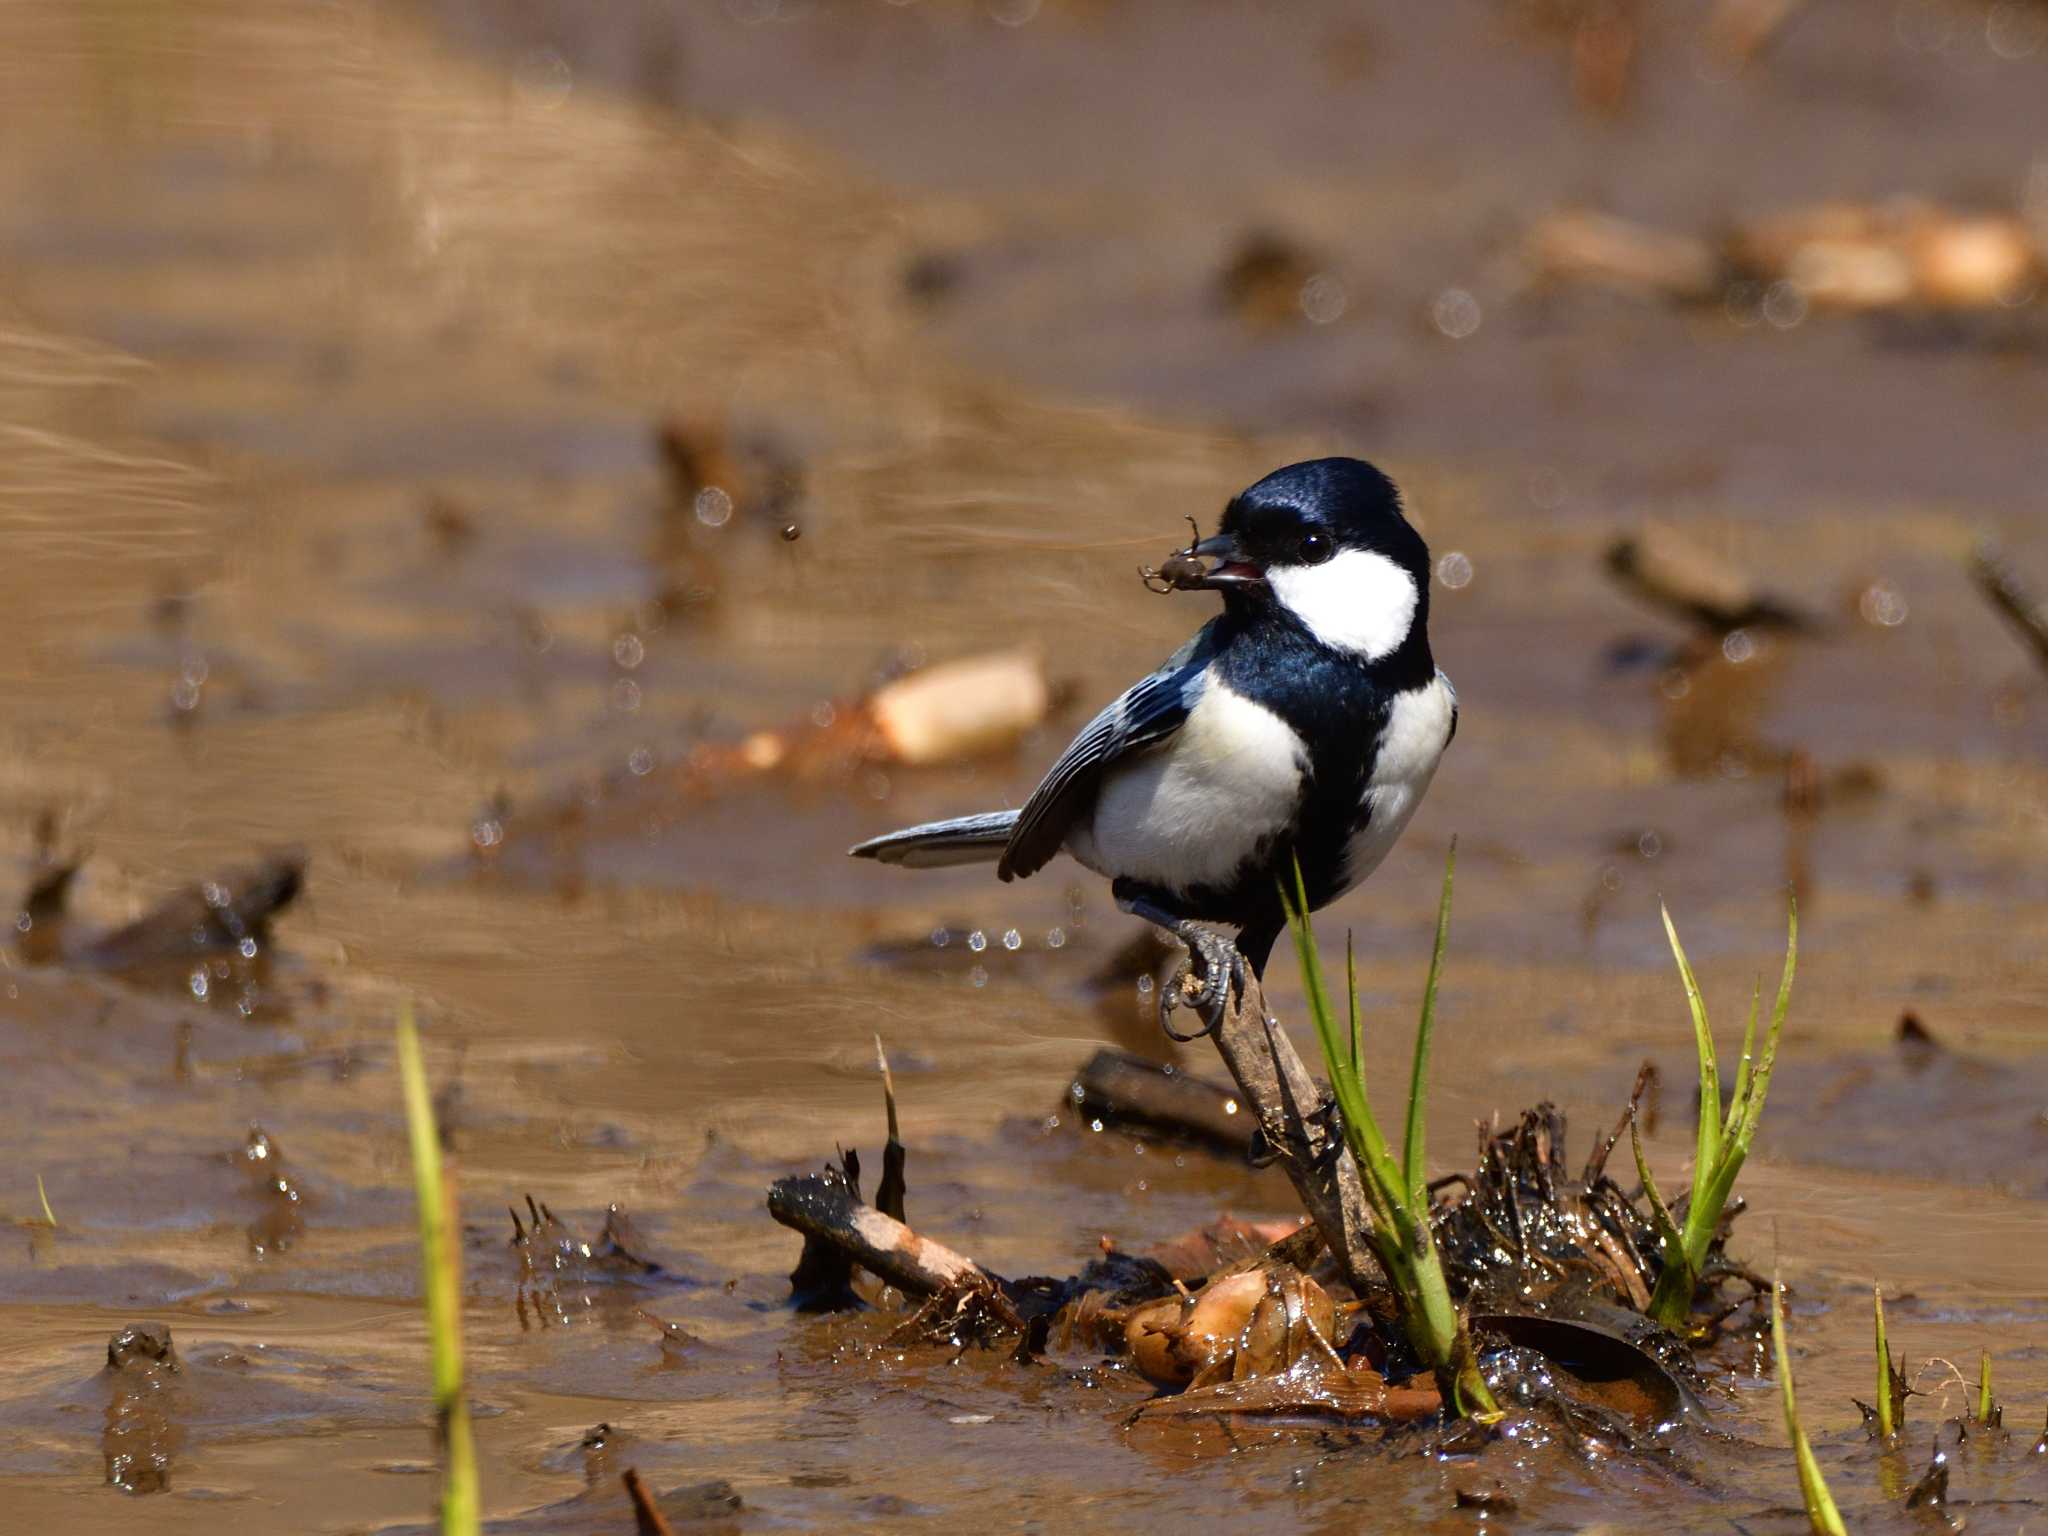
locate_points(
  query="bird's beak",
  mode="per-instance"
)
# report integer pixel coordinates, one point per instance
(1233, 571)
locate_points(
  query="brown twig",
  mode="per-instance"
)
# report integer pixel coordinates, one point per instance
(648, 1519)
(1293, 1113)
(2002, 586)
(826, 1208)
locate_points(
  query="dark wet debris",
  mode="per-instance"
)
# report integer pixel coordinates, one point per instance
(1669, 570)
(2013, 597)
(1122, 1088)
(283, 1216)
(557, 1266)
(142, 1347)
(143, 1431)
(1555, 1269)
(547, 1248)
(228, 916)
(823, 1278)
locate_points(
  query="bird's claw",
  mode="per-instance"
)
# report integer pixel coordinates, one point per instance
(1215, 968)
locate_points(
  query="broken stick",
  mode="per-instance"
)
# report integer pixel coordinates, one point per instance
(826, 1208)
(2002, 586)
(1294, 1114)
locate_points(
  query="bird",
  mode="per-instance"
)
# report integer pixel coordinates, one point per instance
(1304, 722)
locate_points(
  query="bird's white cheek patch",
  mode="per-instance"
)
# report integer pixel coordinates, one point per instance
(1358, 602)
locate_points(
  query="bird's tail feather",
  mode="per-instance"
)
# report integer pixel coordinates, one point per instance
(962, 840)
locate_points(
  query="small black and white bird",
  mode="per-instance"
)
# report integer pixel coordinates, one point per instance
(1305, 720)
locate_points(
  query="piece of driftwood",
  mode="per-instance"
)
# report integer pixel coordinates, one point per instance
(648, 1519)
(1126, 1089)
(1293, 1114)
(2003, 588)
(828, 1208)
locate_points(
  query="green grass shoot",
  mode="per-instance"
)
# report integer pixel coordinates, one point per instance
(1396, 1190)
(49, 1216)
(1985, 1407)
(1821, 1513)
(1724, 1134)
(1889, 1387)
(441, 1281)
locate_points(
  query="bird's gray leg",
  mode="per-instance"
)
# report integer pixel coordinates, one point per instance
(1217, 961)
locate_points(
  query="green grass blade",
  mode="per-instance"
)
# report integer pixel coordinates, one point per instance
(1767, 1059)
(1821, 1513)
(1886, 1424)
(1710, 1070)
(1660, 1213)
(442, 1284)
(1418, 1071)
(1742, 1067)
(49, 1215)
(1351, 993)
(1983, 1386)
(1362, 1131)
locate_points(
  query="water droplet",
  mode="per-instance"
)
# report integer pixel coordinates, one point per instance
(1649, 845)
(977, 941)
(1323, 299)
(1454, 570)
(1742, 303)
(713, 507)
(1056, 938)
(543, 78)
(1882, 604)
(1784, 304)
(1012, 939)
(823, 713)
(1095, 1125)
(1738, 646)
(941, 937)
(978, 977)
(625, 696)
(640, 762)
(629, 651)
(1546, 488)
(487, 833)
(1674, 684)
(1456, 313)
(791, 533)
(199, 983)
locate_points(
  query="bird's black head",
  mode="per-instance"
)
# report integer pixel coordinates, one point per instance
(1323, 544)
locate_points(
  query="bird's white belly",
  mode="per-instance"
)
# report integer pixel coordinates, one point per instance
(1412, 744)
(1192, 811)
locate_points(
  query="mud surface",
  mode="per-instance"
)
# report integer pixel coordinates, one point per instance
(335, 345)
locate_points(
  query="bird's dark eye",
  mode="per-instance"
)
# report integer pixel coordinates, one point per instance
(1314, 548)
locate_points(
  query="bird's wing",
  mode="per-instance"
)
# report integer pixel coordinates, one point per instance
(1148, 713)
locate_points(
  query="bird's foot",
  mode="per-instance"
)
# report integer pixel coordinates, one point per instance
(1204, 982)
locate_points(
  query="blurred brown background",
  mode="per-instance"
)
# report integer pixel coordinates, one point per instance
(365, 372)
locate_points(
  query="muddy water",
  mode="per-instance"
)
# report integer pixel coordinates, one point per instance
(332, 349)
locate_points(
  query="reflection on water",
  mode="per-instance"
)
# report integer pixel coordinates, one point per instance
(345, 388)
